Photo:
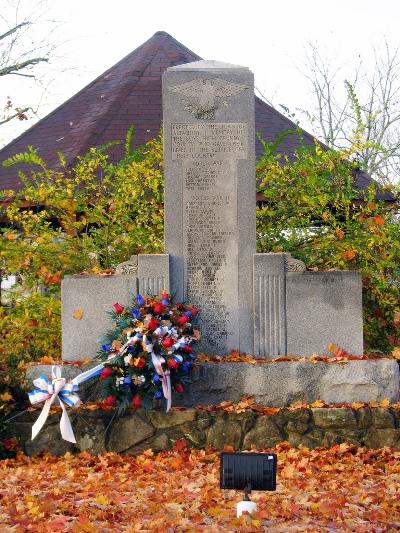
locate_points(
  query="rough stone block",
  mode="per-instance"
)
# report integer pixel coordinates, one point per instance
(326, 418)
(382, 418)
(323, 308)
(128, 431)
(153, 273)
(264, 434)
(382, 437)
(269, 305)
(93, 296)
(224, 433)
(162, 420)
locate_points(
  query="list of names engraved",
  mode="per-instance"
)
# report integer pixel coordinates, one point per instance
(209, 154)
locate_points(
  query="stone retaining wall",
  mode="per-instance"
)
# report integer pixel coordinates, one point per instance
(135, 431)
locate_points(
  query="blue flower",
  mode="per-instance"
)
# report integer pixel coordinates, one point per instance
(106, 347)
(139, 299)
(156, 378)
(186, 366)
(127, 380)
(135, 312)
(165, 301)
(193, 356)
(188, 313)
(158, 395)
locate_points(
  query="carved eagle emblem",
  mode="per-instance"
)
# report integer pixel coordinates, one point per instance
(204, 96)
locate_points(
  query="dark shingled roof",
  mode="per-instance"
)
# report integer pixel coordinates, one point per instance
(128, 93)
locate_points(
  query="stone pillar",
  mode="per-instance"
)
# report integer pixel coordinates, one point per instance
(210, 197)
(269, 305)
(153, 273)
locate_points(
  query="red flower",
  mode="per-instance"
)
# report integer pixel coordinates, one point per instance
(168, 342)
(136, 401)
(194, 311)
(152, 325)
(118, 308)
(139, 362)
(179, 387)
(183, 320)
(105, 372)
(165, 295)
(110, 400)
(187, 348)
(172, 363)
(158, 307)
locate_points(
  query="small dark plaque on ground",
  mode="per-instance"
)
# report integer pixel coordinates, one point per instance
(248, 471)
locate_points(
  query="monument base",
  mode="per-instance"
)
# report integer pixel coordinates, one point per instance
(277, 384)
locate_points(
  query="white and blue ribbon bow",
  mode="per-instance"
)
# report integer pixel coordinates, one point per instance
(52, 391)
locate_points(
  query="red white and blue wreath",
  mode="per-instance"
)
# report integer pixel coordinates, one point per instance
(147, 354)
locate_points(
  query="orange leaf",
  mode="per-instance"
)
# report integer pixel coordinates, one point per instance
(349, 255)
(180, 444)
(379, 220)
(46, 360)
(78, 314)
(5, 397)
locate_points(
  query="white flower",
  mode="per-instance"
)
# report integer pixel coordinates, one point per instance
(127, 359)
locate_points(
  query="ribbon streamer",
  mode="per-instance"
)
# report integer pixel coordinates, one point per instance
(59, 391)
(56, 390)
(158, 361)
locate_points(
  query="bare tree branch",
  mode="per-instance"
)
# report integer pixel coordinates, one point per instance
(13, 30)
(12, 69)
(20, 113)
(369, 111)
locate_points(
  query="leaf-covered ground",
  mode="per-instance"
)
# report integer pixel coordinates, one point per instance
(338, 489)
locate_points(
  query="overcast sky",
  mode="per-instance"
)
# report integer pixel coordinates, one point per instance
(268, 37)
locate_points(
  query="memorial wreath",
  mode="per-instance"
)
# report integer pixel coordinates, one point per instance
(148, 352)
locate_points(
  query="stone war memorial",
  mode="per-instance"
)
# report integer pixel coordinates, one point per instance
(264, 304)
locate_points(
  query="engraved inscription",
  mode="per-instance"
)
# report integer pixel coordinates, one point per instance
(217, 141)
(210, 248)
(208, 154)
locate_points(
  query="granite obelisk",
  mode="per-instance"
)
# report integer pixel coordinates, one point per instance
(209, 167)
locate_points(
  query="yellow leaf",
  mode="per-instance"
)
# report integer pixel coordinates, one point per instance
(40, 240)
(6, 397)
(102, 500)
(384, 403)
(357, 405)
(317, 403)
(78, 314)
(396, 353)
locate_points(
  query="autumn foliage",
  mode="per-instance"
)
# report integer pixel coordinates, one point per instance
(337, 489)
(312, 209)
(98, 213)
